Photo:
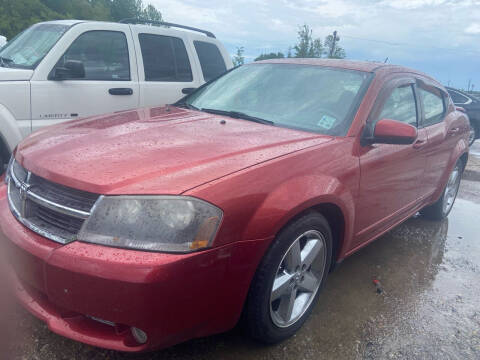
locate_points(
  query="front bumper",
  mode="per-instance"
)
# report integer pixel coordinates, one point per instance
(171, 297)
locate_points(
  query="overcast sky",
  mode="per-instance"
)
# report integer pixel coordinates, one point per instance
(439, 37)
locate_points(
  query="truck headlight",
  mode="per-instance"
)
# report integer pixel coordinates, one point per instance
(152, 223)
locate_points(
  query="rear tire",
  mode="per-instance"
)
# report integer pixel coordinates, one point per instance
(442, 207)
(472, 135)
(289, 279)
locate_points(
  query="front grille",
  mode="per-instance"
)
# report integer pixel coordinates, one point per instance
(52, 210)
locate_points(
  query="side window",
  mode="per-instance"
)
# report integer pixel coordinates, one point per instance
(401, 106)
(433, 105)
(104, 55)
(458, 98)
(211, 60)
(165, 58)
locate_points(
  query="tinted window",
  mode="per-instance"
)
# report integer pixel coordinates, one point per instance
(458, 98)
(211, 60)
(313, 98)
(104, 55)
(401, 106)
(165, 58)
(433, 106)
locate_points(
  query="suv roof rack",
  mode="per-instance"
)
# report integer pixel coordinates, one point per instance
(153, 22)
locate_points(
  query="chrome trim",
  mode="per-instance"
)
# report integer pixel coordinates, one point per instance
(57, 207)
(25, 192)
(32, 226)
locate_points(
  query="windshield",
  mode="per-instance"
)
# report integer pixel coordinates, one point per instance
(311, 98)
(30, 47)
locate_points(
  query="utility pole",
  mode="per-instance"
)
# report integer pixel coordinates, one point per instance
(333, 44)
(469, 82)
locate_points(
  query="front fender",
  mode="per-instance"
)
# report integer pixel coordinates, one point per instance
(9, 131)
(294, 197)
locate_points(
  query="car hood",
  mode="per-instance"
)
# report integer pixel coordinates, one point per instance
(11, 74)
(154, 151)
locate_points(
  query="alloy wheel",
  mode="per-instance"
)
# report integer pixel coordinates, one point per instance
(471, 136)
(298, 278)
(451, 190)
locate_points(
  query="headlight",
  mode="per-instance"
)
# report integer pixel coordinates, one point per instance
(152, 223)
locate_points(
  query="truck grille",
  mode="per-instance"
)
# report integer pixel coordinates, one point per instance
(52, 210)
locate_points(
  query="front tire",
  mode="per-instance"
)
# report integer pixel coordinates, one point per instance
(289, 279)
(442, 207)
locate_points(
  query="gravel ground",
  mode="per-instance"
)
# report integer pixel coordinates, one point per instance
(430, 307)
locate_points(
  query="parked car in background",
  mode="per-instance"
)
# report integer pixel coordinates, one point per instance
(3, 41)
(61, 70)
(472, 106)
(141, 229)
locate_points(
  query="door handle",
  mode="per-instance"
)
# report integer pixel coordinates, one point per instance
(453, 131)
(187, 91)
(120, 91)
(419, 143)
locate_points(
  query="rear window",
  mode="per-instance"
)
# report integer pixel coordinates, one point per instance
(211, 60)
(165, 58)
(433, 105)
(458, 98)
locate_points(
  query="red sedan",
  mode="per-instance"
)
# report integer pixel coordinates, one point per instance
(141, 229)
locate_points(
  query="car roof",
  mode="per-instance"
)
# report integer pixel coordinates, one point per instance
(365, 66)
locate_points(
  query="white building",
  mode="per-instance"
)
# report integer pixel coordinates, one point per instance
(3, 40)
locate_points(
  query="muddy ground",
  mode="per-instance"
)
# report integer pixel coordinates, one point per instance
(430, 307)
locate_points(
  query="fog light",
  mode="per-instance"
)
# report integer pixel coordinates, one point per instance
(139, 335)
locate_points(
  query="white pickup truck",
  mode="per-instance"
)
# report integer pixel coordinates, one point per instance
(61, 70)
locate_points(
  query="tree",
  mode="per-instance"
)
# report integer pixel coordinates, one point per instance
(332, 49)
(272, 55)
(307, 47)
(17, 15)
(151, 13)
(239, 59)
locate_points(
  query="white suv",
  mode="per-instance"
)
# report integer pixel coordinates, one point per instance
(61, 70)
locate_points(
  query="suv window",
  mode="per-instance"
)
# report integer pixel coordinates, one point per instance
(104, 55)
(211, 60)
(165, 58)
(458, 98)
(433, 105)
(401, 106)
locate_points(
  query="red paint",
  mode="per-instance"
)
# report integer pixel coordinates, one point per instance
(392, 129)
(260, 176)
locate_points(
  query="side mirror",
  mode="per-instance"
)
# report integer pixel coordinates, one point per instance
(389, 131)
(73, 69)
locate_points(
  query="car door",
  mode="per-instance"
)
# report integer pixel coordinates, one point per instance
(442, 133)
(167, 69)
(109, 84)
(390, 174)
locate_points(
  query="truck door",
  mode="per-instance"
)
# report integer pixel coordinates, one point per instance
(109, 82)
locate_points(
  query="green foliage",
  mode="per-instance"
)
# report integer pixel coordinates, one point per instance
(337, 52)
(239, 59)
(307, 46)
(272, 55)
(17, 15)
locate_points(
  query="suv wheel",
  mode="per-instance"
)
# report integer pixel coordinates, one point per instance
(472, 135)
(440, 209)
(287, 283)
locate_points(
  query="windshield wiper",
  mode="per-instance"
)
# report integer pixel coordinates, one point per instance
(4, 61)
(238, 115)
